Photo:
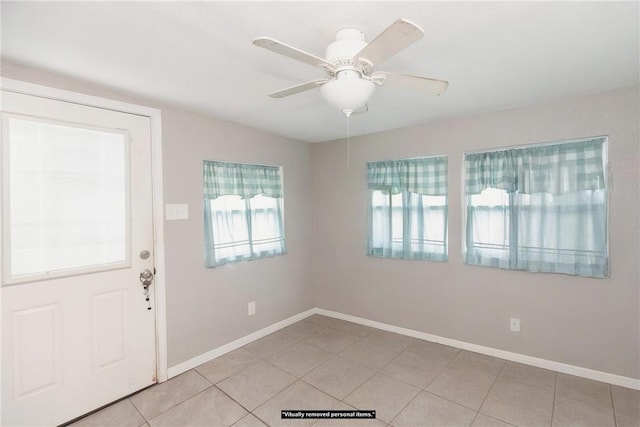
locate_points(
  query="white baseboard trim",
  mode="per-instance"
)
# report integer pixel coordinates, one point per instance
(226, 348)
(628, 382)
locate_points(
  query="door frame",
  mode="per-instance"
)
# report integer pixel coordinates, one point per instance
(157, 194)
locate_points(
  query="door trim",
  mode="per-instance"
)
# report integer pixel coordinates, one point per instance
(157, 193)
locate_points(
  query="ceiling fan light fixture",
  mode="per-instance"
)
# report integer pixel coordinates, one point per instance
(348, 92)
(349, 64)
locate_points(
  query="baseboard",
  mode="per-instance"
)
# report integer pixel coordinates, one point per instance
(219, 351)
(622, 381)
(628, 382)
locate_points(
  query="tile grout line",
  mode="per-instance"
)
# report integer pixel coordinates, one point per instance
(376, 371)
(451, 401)
(362, 383)
(250, 364)
(335, 354)
(258, 418)
(332, 356)
(555, 392)
(504, 363)
(181, 402)
(439, 372)
(588, 401)
(225, 393)
(138, 410)
(405, 407)
(270, 398)
(305, 382)
(379, 371)
(265, 359)
(442, 397)
(410, 400)
(613, 406)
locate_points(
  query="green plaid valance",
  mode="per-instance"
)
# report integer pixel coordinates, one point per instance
(426, 176)
(555, 169)
(246, 181)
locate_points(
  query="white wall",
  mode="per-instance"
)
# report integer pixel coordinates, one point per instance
(207, 308)
(593, 323)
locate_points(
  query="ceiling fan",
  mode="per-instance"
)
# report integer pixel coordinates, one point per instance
(349, 63)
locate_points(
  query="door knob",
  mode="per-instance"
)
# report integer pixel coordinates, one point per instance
(146, 277)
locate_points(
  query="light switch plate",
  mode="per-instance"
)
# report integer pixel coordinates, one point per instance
(514, 324)
(176, 211)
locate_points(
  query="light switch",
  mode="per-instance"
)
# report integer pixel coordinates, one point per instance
(176, 211)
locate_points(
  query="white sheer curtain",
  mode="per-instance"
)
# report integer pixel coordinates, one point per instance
(488, 228)
(241, 221)
(539, 208)
(563, 233)
(408, 209)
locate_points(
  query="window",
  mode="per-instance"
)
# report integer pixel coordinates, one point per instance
(243, 212)
(67, 198)
(541, 208)
(408, 209)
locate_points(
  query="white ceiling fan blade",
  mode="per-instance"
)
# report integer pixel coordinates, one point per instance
(298, 88)
(398, 36)
(292, 52)
(404, 81)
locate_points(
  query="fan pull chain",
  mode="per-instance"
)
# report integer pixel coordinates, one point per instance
(348, 143)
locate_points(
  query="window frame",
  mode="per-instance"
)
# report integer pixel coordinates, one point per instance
(8, 277)
(512, 227)
(208, 216)
(424, 256)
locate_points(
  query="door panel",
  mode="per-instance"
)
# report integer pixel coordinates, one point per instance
(109, 315)
(76, 329)
(36, 350)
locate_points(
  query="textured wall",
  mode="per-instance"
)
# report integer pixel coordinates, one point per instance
(207, 308)
(592, 323)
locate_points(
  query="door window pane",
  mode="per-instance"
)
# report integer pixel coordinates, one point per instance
(68, 197)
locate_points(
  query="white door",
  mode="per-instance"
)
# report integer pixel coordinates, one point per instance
(77, 231)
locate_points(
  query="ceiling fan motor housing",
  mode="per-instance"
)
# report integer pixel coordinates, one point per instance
(348, 91)
(349, 41)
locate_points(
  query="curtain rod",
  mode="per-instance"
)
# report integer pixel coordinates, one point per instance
(536, 144)
(408, 158)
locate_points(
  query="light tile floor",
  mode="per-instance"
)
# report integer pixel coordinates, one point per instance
(324, 363)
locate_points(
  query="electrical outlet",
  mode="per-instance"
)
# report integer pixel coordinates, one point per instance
(252, 308)
(515, 325)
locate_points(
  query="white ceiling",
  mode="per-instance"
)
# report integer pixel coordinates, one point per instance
(199, 56)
